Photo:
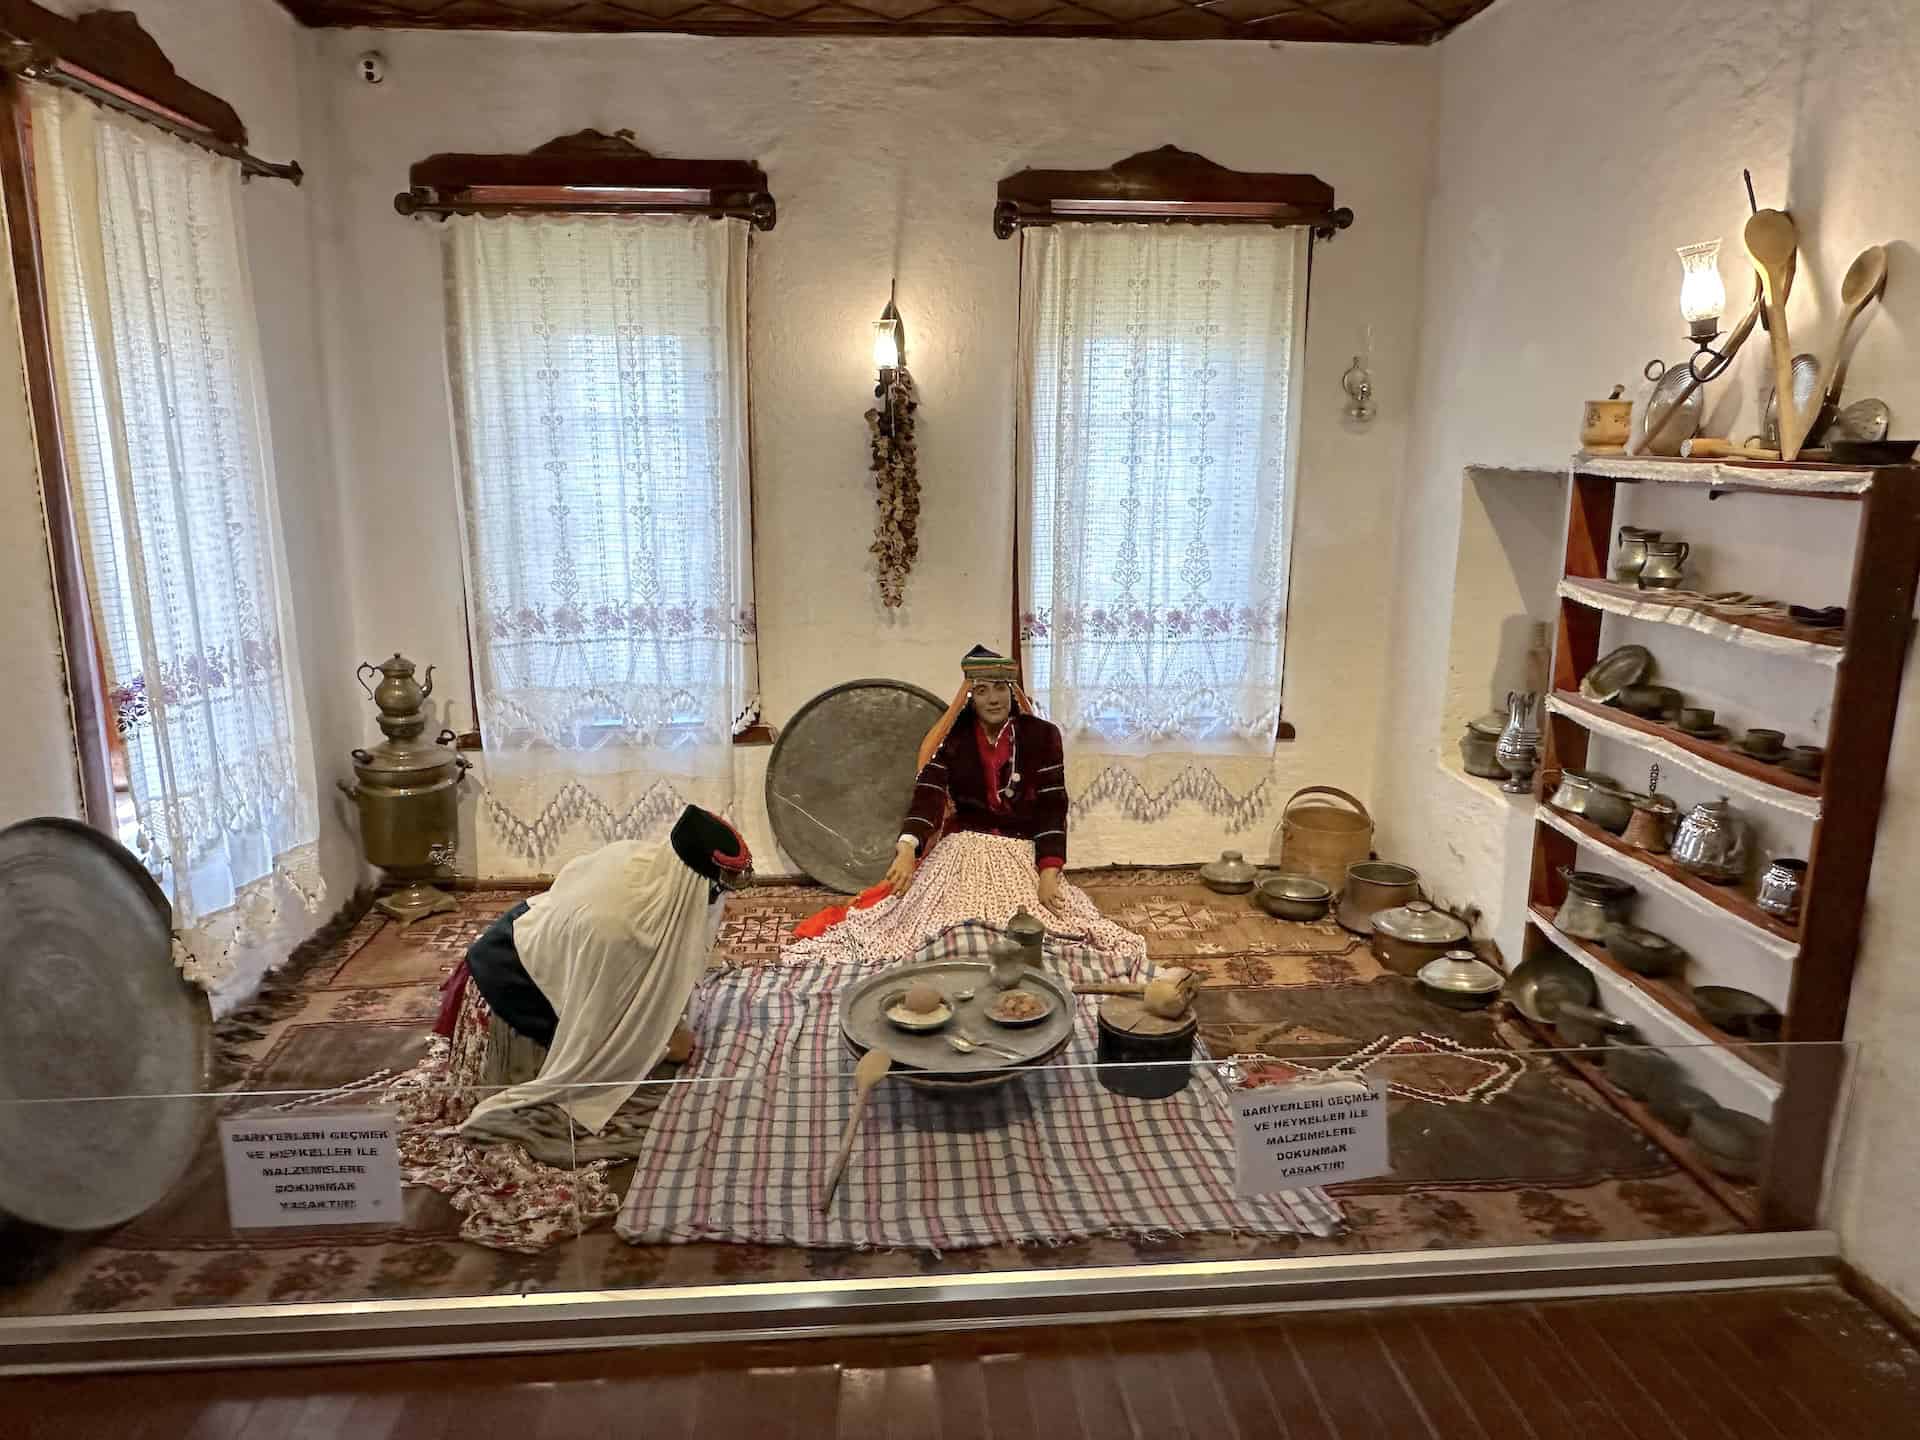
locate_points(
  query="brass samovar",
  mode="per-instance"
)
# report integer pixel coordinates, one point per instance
(407, 793)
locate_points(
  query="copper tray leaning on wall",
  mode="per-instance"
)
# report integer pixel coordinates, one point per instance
(93, 1013)
(841, 777)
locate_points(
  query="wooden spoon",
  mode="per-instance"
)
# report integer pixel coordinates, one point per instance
(1771, 243)
(1864, 281)
(871, 1070)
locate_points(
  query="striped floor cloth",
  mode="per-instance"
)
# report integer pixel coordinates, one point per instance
(740, 1149)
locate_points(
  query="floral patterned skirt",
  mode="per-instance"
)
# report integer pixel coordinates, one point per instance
(967, 876)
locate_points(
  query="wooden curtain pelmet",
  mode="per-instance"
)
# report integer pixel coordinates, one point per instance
(586, 173)
(107, 57)
(1167, 186)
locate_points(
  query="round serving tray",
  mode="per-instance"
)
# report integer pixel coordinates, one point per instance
(93, 1016)
(928, 1061)
(841, 777)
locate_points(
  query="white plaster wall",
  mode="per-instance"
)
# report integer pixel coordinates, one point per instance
(1576, 145)
(251, 53)
(883, 157)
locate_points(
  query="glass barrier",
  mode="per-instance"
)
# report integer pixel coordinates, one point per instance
(1260, 1138)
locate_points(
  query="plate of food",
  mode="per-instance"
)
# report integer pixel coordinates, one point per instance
(918, 1008)
(1019, 1007)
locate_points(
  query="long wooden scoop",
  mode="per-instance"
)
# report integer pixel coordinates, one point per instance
(1771, 243)
(1864, 281)
(871, 1070)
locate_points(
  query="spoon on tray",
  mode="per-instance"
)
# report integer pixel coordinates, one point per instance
(871, 1070)
(966, 1045)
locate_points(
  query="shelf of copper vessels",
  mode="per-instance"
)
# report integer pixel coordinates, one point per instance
(1727, 757)
(1740, 906)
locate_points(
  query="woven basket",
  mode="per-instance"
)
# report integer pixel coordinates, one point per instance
(1320, 839)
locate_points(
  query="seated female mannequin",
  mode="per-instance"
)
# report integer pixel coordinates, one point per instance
(985, 836)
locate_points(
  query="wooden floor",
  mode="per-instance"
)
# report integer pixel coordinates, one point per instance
(1791, 1364)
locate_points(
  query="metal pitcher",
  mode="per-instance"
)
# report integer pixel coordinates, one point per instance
(1712, 843)
(1665, 566)
(1518, 750)
(1632, 555)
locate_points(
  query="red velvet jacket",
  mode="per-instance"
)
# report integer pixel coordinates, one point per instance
(1037, 809)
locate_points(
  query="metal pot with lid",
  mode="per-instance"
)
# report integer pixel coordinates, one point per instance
(1372, 886)
(1478, 744)
(1461, 979)
(1230, 874)
(1407, 936)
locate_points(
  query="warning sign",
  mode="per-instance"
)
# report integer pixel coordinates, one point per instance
(1286, 1136)
(324, 1168)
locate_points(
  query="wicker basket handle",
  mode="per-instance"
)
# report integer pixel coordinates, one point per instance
(1325, 790)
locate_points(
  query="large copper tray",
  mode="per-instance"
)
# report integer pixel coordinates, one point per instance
(927, 1061)
(93, 1016)
(841, 777)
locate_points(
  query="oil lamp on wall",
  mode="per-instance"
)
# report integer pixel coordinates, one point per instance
(895, 388)
(1703, 300)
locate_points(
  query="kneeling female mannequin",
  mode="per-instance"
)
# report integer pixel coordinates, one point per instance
(600, 967)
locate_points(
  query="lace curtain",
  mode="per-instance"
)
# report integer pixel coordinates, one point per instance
(598, 370)
(1157, 440)
(167, 451)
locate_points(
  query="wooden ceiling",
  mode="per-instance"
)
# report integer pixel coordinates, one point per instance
(1389, 22)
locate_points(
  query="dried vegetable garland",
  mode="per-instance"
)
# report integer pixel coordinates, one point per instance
(896, 474)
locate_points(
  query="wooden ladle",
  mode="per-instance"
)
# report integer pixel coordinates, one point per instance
(871, 1070)
(1864, 281)
(1771, 243)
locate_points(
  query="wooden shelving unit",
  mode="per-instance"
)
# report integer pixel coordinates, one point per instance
(1871, 655)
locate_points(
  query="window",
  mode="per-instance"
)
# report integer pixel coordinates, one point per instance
(156, 365)
(598, 376)
(1156, 451)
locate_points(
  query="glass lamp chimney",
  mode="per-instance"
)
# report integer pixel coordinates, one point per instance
(1703, 294)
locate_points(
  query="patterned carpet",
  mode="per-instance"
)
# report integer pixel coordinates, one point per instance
(1490, 1146)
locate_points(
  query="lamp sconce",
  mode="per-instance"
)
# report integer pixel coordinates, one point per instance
(1703, 300)
(895, 388)
(1358, 383)
(894, 460)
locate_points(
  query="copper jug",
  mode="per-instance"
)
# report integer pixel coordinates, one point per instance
(1651, 828)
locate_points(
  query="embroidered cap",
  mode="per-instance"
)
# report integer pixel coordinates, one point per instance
(709, 846)
(981, 663)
